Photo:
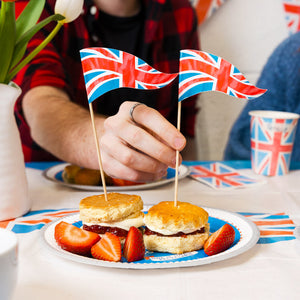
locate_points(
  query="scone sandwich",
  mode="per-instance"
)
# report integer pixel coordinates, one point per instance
(116, 214)
(175, 229)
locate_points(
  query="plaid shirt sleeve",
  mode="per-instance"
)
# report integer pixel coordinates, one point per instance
(170, 25)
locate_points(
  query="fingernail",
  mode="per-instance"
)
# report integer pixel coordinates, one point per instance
(179, 143)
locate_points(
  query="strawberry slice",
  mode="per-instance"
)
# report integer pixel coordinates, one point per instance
(220, 240)
(74, 239)
(134, 247)
(108, 248)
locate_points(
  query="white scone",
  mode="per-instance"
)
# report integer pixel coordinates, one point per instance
(116, 214)
(179, 229)
(176, 245)
(96, 209)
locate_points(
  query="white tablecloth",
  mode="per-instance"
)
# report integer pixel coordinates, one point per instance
(266, 271)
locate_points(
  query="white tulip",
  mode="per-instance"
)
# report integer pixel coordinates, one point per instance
(70, 9)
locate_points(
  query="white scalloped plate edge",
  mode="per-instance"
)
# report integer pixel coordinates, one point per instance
(249, 235)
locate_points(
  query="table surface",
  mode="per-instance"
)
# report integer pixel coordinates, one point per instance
(270, 269)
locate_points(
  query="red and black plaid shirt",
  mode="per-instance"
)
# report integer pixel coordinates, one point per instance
(169, 26)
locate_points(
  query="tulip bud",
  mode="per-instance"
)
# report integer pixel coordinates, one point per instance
(70, 9)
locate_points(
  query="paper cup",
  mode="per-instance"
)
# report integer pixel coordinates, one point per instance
(272, 136)
(8, 263)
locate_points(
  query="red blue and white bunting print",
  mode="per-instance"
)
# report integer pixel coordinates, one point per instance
(273, 227)
(35, 220)
(200, 71)
(292, 14)
(206, 8)
(106, 69)
(220, 176)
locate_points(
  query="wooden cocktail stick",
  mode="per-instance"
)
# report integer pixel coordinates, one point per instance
(177, 157)
(98, 150)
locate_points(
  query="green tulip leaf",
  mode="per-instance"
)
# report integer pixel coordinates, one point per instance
(7, 38)
(29, 16)
(21, 45)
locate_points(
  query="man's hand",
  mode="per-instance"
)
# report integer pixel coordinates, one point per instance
(141, 149)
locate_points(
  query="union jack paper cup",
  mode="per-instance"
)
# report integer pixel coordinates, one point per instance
(272, 137)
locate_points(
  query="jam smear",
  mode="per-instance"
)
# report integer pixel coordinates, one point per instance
(178, 234)
(122, 233)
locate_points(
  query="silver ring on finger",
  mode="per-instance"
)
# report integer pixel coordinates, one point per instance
(132, 110)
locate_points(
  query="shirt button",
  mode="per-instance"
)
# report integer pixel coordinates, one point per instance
(93, 10)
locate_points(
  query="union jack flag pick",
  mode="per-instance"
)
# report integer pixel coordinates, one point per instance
(200, 71)
(106, 69)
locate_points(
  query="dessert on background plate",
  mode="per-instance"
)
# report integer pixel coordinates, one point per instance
(83, 176)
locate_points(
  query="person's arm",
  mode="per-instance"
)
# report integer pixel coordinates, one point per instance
(60, 126)
(138, 151)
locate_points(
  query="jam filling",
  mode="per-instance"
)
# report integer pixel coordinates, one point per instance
(178, 234)
(122, 233)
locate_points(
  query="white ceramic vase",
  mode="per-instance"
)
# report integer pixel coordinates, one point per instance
(14, 199)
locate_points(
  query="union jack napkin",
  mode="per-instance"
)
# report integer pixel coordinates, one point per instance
(35, 220)
(273, 227)
(222, 177)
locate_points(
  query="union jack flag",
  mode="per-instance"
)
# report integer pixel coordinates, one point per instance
(106, 69)
(292, 14)
(205, 8)
(201, 72)
(272, 144)
(220, 176)
(273, 227)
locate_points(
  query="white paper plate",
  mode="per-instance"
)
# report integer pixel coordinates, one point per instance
(55, 174)
(246, 233)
